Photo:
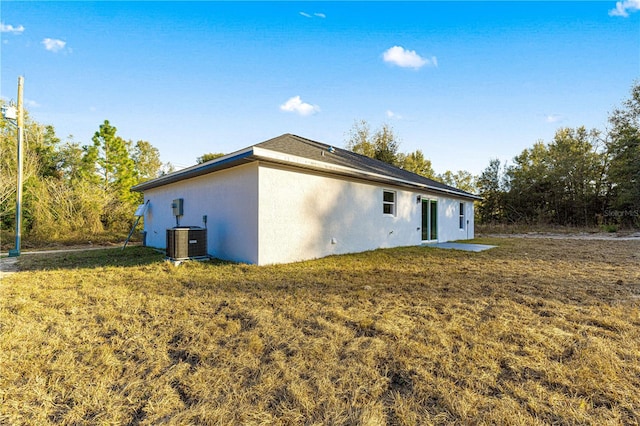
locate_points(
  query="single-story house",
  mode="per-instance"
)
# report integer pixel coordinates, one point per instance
(291, 198)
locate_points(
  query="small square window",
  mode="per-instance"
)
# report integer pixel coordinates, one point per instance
(389, 202)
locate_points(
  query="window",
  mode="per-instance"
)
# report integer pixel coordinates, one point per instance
(461, 215)
(389, 202)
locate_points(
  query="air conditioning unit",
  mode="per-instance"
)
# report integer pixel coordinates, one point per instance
(186, 242)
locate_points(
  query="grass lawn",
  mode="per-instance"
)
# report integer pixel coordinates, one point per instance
(533, 332)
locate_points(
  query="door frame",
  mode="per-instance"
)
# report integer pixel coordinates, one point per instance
(429, 202)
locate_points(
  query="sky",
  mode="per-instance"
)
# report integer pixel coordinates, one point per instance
(464, 82)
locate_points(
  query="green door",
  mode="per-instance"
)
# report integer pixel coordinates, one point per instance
(429, 220)
(425, 220)
(433, 220)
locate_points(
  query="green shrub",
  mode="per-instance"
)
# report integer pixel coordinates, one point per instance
(609, 227)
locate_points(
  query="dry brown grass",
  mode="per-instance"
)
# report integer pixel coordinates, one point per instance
(532, 332)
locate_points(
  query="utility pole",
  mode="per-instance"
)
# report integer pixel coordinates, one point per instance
(20, 119)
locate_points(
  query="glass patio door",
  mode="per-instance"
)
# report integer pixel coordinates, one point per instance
(429, 220)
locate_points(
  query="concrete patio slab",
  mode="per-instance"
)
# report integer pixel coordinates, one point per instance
(462, 246)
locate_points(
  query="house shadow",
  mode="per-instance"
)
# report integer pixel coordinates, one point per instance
(89, 259)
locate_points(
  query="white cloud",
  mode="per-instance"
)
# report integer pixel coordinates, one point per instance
(624, 7)
(553, 118)
(393, 115)
(407, 58)
(53, 45)
(31, 103)
(11, 29)
(296, 105)
(317, 15)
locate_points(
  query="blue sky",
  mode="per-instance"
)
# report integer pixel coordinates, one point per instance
(462, 81)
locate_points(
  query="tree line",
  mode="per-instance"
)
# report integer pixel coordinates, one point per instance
(581, 178)
(383, 144)
(73, 191)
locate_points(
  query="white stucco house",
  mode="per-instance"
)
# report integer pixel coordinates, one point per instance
(290, 198)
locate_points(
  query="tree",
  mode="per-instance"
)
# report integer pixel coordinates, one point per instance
(208, 157)
(574, 173)
(489, 183)
(146, 160)
(71, 163)
(528, 186)
(111, 156)
(114, 164)
(72, 191)
(166, 168)
(44, 145)
(382, 145)
(461, 179)
(114, 173)
(360, 140)
(386, 145)
(561, 182)
(416, 163)
(623, 151)
(38, 156)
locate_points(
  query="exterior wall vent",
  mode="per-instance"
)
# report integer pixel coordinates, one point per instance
(186, 242)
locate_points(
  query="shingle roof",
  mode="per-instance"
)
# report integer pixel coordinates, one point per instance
(344, 163)
(313, 150)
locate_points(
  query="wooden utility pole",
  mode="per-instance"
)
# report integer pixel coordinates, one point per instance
(20, 121)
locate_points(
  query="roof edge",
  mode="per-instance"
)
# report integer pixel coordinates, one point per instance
(302, 162)
(227, 161)
(257, 153)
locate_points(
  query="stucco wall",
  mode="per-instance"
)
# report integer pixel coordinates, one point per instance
(449, 217)
(306, 215)
(229, 198)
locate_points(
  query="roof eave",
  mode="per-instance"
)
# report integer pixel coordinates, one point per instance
(305, 163)
(255, 153)
(226, 162)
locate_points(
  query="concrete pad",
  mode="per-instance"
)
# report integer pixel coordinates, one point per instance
(8, 266)
(462, 246)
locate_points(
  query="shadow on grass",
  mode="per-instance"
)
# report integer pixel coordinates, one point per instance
(91, 259)
(115, 257)
(130, 257)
